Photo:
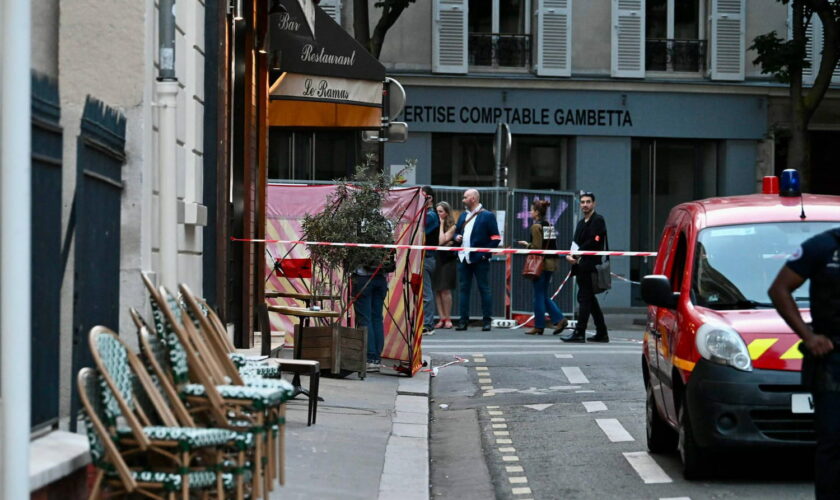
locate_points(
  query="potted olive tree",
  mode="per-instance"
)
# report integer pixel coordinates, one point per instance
(352, 214)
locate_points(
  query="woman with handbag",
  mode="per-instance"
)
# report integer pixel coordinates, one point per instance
(539, 270)
(445, 277)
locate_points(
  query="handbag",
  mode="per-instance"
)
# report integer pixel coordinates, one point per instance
(602, 277)
(533, 267)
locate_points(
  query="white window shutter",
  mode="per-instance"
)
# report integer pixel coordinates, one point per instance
(449, 36)
(628, 39)
(554, 38)
(332, 8)
(728, 34)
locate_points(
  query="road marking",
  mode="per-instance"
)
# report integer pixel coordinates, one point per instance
(510, 458)
(514, 468)
(486, 387)
(494, 407)
(485, 381)
(563, 356)
(478, 355)
(479, 360)
(539, 407)
(574, 375)
(522, 491)
(507, 449)
(647, 468)
(504, 441)
(493, 412)
(518, 479)
(614, 430)
(498, 426)
(501, 433)
(481, 368)
(585, 390)
(676, 498)
(487, 394)
(497, 419)
(592, 406)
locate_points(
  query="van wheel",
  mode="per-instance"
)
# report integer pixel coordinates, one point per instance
(694, 458)
(661, 438)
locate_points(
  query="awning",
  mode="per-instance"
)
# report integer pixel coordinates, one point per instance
(328, 79)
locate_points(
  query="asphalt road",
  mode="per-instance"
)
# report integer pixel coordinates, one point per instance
(532, 418)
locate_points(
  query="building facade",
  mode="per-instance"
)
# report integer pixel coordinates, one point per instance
(647, 103)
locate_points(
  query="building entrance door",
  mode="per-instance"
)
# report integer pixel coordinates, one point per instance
(665, 173)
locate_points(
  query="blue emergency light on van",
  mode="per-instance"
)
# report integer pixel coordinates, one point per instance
(789, 184)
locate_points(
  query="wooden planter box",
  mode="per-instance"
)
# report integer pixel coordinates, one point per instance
(338, 348)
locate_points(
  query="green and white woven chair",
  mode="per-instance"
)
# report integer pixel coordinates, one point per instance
(203, 385)
(113, 472)
(149, 424)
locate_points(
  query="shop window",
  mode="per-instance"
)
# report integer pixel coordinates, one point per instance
(536, 162)
(307, 155)
(673, 38)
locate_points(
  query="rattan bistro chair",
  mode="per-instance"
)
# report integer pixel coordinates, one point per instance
(132, 397)
(204, 387)
(113, 472)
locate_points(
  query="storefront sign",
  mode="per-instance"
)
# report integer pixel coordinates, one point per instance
(327, 89)
(522, 116)
(308, 41)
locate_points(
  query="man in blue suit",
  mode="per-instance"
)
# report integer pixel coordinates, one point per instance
(476, 228)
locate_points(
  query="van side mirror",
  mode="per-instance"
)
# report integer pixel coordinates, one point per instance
(656, 291)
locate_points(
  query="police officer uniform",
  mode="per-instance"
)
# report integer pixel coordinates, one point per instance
(818, 259)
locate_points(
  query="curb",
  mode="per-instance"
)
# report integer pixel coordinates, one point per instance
(406, 471)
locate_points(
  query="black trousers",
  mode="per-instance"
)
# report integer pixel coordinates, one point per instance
(588, 306)
(827, 423)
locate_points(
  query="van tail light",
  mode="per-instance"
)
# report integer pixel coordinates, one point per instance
(770, 185)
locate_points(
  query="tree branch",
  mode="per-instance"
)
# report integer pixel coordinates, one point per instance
(361, 23)
(828, 60)
(390, 14)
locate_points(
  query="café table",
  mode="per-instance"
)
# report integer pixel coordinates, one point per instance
(304, 314)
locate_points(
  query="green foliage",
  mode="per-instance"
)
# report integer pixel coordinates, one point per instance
(353, 214)
(779, 57)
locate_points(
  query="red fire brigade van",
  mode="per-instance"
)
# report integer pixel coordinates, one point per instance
(721, 367)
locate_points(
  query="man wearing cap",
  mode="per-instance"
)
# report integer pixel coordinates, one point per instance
(476, 228)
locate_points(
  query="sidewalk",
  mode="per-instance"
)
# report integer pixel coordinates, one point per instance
(371, 439)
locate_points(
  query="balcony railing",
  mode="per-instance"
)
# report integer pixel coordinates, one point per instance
(675, 55)
(500, 50)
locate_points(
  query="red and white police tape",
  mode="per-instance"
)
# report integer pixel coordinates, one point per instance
(501, 251)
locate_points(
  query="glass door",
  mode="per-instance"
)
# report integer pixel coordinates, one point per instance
(665, 173)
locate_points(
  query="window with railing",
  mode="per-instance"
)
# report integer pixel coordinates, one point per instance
(674, 36)
(675, 55)
(499, 33)
(499, 49)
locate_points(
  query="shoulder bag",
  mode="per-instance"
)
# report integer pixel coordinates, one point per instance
(602, 278)
(534, 265)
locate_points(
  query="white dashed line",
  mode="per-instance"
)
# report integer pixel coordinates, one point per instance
(592, 406)
(574, 375)
(485, 381)
(518, 479)
(486, 387)
(497, 419)
(481, 368)
(507, 449)
(504, 441)
(676, 498)
(584, 390)
(479, 360)
(501, 433)
(510, 458)
(563, 356)
(614, 430)
(647, 468)
(522, 491)
(495, 407)
(494, 413)
(498, 426)
(514, 468)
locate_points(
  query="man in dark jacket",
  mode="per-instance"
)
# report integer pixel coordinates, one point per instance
(476, 228)
(590, 234)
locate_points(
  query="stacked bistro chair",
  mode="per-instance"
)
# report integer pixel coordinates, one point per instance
(128, 419)
(113, 472)
(251, 370)
(212, 388)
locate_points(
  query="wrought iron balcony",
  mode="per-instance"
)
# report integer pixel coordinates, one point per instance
(500, 50)
(675, 55)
